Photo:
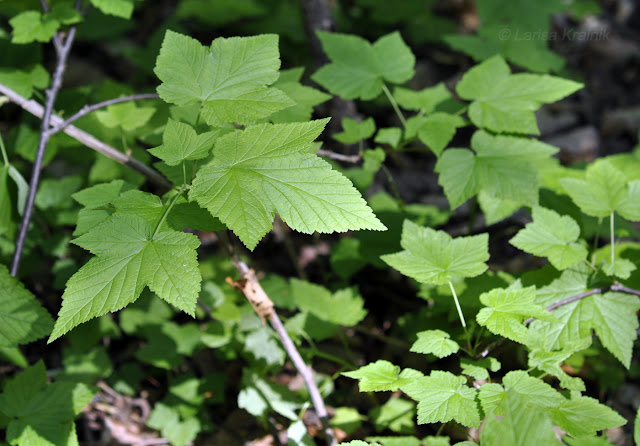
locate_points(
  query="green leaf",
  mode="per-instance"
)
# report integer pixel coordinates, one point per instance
(180, 142)
(305, 98)
(346, 418)
(266, 169)
(507, 310)
(378, 376)
(550, 362)
(396, 414)
(479, 370)
(355, 131)
(128, 257)
(42, 414)
(521, 424)
(431, 256)
(505, 103)
(435, 130)
(553, 236)
(442, 397)
(118, 8)
(230, 79)
(616, 323)
(167, 420)
(259, 395)
(587, 440)
(424, 100)
(604, 191)
(582, 415)
(32, 26)
(389, 135)
(621, 268)
(397, 441)
(25, 81)
(23, 319)
(127, 116)
(344, 307)
(359, 69)
(436, 342)
(500, 166)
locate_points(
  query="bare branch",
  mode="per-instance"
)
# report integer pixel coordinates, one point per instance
(623, 289)
(52, 92)
(304, 370)
(89, 108)
(567, 301)
(88, 140)
(339, 156)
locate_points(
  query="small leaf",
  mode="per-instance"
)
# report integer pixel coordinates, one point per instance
(442, 397)
(505, 103)
(118, 8)
(621, 268)
(500, 166)
(605, 191)
(344, 307)
(378, 376)
(32, 26)
(508, 309)
(424, 100)
(180, 142)
(359, 69)
(431, 256)
(354, 131)
(127, 116)
(436, 342)
(553, 236)
(479, 370)
(435, 130)
(616, 324)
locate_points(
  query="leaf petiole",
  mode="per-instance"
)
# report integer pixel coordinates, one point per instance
(613, 240)
(394, 104)
(166, 212)
(5, 157)
(455, 299)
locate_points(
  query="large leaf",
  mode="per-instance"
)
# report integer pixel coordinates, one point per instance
(359, 69)
(501, 166)
(129, 256)
(553, 236)
(605, 190)
(266, 169)
(505, 103)
(22, 318)
(436, 342)
(442, 397)
(432, 256)
(229, 79)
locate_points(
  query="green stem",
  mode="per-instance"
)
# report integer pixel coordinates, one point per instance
(166, 212)
(613, 240)
(4, 152)
(394, 104)
(455, 299)
(184, 175)
(394, 187)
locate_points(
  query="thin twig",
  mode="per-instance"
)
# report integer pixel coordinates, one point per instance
(298, 362)
(339, 156)
(57, 43)
(623, 289)
(42, 144)
(615, 287)
(89, 108)
(88, 140)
